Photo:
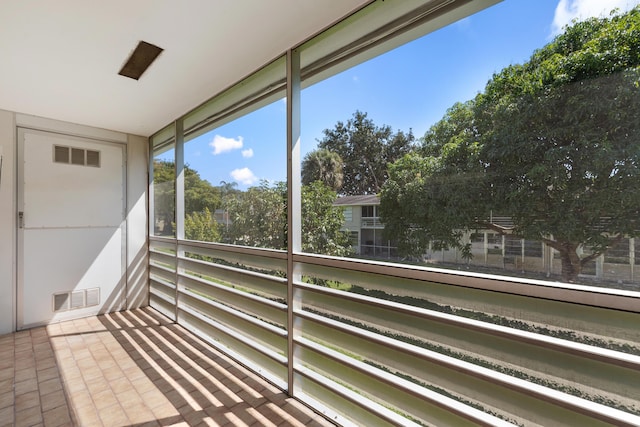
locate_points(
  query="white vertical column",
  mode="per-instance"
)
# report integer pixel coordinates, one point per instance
(179, 213)
(632, 256)
(151, 194)
(485, 247)
(294, 221)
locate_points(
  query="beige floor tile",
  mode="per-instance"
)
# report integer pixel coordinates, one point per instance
(165, 411)
(75, 385)
(49, 362)
(129, 399)
(48, 374)
(7, 385)
(143, 385)
(121, 385)
(25, 374)
(7, 399)
(139, 414)
(154, 399)
(113, 373)
(26, 386)
(24, 361)
(92, 374)
(132, 368)
(57, 417)
(27, 401)
(6, 416)
(104, 399)
(49, 386)
(6, 359)
(88, 416)
(53, 400)
(28, 417)
(113, 416)
(97, 384)
(7, 374)
(78, 400)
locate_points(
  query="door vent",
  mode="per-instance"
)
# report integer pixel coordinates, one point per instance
(61, 302)
(60, 154)
(76, 156)
(64, 301)
(93, 297)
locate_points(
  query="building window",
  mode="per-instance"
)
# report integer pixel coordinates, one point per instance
(348, 213)
(369, 212)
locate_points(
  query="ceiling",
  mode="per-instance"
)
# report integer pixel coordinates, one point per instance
(60, 59)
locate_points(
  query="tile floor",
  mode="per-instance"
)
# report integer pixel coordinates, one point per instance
(132, 368)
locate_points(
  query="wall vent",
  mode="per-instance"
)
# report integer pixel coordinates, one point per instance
(60, 154)
(72, 300)
(76, 156)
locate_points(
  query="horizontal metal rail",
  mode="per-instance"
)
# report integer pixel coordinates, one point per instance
(576, 294)
(397, 389)
(359, 352)
(587, 351)
(489, 378)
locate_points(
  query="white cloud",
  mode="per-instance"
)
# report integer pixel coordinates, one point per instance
(220, 144)
(247, 153)
(244, 176)
(568, 10)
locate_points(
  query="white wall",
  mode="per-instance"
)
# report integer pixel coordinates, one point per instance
(7, 222)
(137, 159)
(137, 228)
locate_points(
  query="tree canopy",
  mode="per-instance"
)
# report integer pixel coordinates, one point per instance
(324, 166)
(322, 222)
(198, 193)
(552, 143)
(258, 217)
(365, 150)
(201, 199)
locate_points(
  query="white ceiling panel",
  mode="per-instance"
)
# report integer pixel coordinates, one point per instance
(60, 59)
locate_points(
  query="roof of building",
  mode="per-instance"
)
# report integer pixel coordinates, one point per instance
(369, 199)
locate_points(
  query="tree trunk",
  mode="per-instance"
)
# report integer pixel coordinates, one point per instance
(571, 265)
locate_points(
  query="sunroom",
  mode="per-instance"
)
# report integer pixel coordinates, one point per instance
(172, 251)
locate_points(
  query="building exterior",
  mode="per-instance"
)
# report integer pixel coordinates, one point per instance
(490, 249)
(362, 221)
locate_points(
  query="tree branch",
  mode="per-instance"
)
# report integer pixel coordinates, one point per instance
(612, 242)
(495, 227)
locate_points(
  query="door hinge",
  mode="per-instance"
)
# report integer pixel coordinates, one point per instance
(21, 219)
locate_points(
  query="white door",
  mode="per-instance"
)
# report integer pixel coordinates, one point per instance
(71, 228)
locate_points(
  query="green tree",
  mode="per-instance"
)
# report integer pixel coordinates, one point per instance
(199, 196)
(164, 194)
(552, 143)
(325, 166)
(257, 217)
(322, 222)
(201, 226)
(365, 150)
(198, 193)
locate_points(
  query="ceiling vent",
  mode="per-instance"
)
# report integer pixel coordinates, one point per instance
(142, 57)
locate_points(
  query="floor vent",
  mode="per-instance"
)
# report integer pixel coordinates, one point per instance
(64, 301)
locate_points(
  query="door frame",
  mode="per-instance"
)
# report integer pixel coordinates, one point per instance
(19, 204)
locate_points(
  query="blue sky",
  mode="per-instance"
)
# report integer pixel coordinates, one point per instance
(408, 88)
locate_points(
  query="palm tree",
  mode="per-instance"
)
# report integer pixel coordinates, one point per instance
(325, 166)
